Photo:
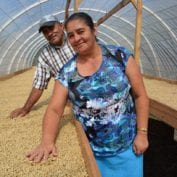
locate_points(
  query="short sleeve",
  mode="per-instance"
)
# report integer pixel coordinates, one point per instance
(62, 77)
(66, 72)
(125, 54)
(42, 75)
(121, 52)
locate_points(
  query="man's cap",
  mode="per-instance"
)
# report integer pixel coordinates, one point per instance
(48, 20)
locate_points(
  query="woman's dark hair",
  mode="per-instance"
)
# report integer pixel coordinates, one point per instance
(83, 16)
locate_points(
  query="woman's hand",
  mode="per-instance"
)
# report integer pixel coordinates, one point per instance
(42, 152)
(140, 143)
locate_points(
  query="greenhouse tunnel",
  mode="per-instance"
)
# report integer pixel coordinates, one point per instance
(21, 43)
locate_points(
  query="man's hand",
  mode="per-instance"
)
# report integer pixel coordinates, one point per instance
(42, 153)
(19, 112)
(32, 99)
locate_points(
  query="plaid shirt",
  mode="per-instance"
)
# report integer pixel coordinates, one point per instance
(50, 61)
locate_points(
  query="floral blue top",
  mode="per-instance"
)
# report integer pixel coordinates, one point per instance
(102, 103)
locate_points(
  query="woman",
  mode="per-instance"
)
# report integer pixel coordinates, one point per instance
(109, 99)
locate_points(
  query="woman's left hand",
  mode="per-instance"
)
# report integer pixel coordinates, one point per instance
(140, 143)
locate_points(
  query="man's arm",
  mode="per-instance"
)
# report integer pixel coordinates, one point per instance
(32, 99)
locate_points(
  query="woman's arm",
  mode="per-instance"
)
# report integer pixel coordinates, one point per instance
(50, 126)
(141, 105)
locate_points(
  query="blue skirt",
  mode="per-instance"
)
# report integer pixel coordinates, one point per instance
(125, 164)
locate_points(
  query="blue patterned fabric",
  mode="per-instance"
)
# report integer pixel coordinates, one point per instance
(102, 103)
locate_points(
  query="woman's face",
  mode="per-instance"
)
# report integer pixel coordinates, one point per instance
(80, 35)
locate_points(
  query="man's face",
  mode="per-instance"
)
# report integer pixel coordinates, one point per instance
(54, 34)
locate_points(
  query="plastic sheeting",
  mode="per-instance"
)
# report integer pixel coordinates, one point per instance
(20, 41)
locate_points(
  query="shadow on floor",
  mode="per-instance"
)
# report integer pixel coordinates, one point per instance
(160, 160)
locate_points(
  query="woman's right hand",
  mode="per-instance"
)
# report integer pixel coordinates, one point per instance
(42, 152)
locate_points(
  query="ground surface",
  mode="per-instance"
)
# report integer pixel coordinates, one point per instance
(19, 136)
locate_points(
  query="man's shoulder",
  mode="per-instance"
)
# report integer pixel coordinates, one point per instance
(49, 46)
(45, 48)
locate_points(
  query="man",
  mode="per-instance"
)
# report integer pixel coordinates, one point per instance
(54, 55)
